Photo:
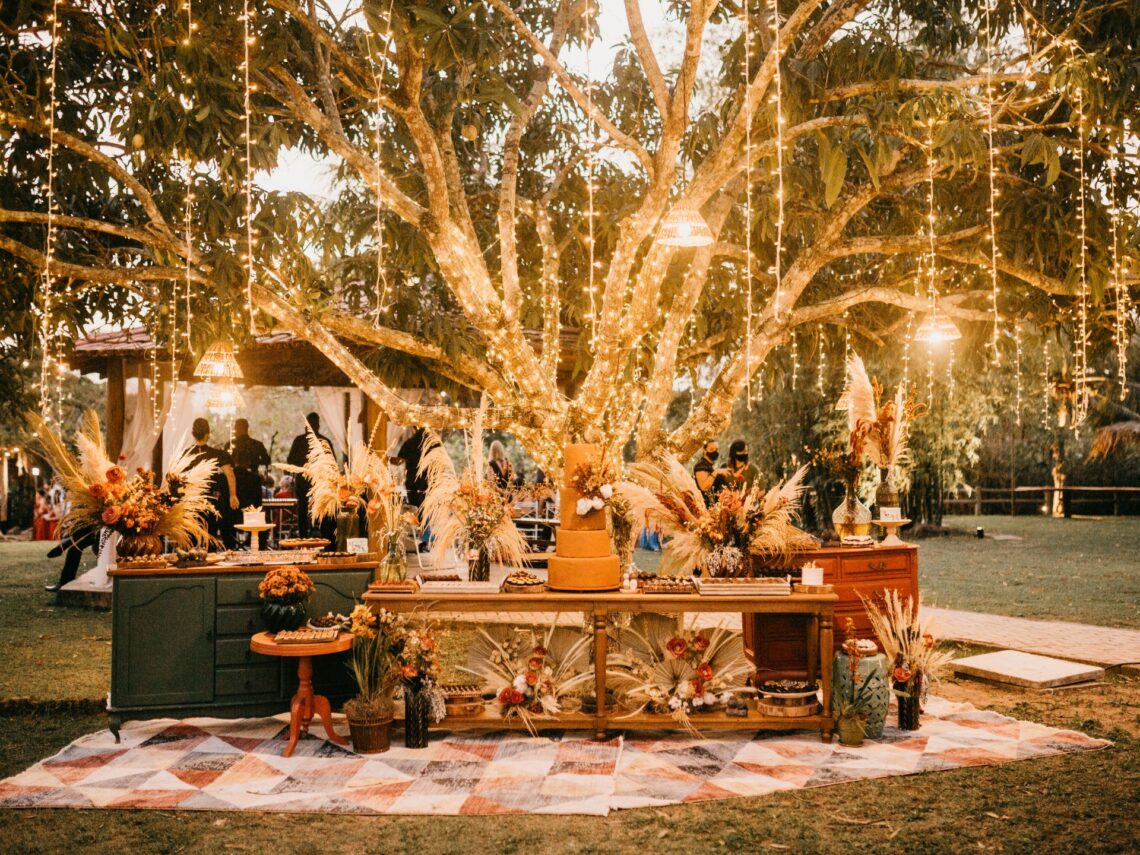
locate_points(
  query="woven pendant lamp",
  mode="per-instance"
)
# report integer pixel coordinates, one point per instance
(684, 227)
(219, 362)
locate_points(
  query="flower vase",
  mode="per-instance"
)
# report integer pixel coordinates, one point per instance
(139, 546)
(872, 672)
(852, 517)
(347, 526)
(369, 729)
(887, 494)
(279, 616)
(394, 566)
(417, 717)
(851, 731)
(479, 567)
(910, 706)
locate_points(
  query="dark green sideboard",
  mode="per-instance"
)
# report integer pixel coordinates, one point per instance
(180, 642)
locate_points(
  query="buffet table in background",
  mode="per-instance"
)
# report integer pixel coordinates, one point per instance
(180, 641)
(816, 611)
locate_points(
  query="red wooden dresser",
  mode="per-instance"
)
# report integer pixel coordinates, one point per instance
(777, 644)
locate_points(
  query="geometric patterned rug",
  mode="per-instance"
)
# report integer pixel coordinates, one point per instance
(236, 765)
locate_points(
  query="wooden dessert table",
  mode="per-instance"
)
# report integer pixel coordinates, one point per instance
(817, 610)
(305, 702)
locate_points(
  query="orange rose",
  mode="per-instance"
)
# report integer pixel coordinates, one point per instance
(705, 671)
(409, 672)
(901, 675)
(531, 678)
(535, 663)
(115, 474)
(110, 515)
(676, 646)
(98, 490)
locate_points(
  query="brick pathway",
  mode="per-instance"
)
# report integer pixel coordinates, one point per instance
(1078, 642)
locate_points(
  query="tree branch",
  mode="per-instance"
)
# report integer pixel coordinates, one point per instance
(647, 57)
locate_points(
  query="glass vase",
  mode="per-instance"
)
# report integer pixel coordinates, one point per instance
(394, 566)
(479, 566)
(872, 672)
(887, 494)
(347, 526)
(417, 717)
(852, 518)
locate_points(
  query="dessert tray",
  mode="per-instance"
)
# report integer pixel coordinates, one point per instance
(461, 587)
(733, 587)
(463, 701)
(269, 556)
(667, 585)
(306, 636)
(522, 582)
(303, 543)
(401, 586)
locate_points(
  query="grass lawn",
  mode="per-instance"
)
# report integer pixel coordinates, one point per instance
(1083, 570)
(1081, 803)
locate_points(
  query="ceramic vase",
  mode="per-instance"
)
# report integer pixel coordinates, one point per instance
(910, 706)
(283, 616)
(872, 671)
(417, 717)
(851, 731)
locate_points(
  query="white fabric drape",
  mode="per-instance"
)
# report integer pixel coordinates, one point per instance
(140, 433)
(181, 412)
(330, 407)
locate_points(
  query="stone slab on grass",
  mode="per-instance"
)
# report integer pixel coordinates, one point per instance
(1026, 669)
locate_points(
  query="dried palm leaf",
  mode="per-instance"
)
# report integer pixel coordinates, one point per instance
(1115, 438)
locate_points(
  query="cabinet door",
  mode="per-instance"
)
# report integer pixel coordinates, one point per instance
(337, 590)
(163, 641)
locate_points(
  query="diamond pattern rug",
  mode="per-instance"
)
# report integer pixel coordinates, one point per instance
(227, 764)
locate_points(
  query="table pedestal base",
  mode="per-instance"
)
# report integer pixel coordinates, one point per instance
(305, 705)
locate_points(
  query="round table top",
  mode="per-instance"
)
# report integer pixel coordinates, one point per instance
(264, 643)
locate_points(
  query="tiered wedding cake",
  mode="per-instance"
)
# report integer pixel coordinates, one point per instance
(583, 558)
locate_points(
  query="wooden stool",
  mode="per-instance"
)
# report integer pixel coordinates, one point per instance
(304, 704)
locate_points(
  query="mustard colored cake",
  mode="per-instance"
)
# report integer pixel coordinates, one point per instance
(583, 557)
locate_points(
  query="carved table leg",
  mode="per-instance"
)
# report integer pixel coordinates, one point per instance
(813, 653)
(114, 722)
(826, 642)
(301, 707)
(600, 674)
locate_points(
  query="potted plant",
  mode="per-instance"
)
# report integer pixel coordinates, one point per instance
(854, 702)
(369, 714)
(284, 592)
(911, 651)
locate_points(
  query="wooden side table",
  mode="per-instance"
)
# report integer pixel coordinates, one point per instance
(305, 703)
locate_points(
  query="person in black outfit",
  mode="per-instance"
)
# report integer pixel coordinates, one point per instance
(249, 455)
(710, 479)
(410, 452)
(223, 486)
(71, 548)
(298, 454)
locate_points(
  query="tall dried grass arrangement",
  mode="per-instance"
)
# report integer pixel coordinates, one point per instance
(906, 636)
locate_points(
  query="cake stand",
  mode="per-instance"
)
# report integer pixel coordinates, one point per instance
(254, 531)
(891, 527)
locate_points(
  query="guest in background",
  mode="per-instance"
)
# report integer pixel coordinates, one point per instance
(742, 474)
(72, 552)
(223, 486)
(284, 488)
(710, 478)
(409, 455)
(298, 454)
(499, 469)
(249, 455)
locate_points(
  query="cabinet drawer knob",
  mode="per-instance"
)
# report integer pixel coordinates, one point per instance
(878, 565)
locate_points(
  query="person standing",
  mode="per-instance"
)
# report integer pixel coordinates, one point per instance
(742, 473)
(223, 486)
(249, 455)
(415, 482)
(499, 468)
(298, 455)
(710, 478)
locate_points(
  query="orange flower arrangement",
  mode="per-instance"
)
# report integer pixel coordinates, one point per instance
(286, 585)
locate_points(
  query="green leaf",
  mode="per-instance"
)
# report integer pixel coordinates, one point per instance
(833, 177)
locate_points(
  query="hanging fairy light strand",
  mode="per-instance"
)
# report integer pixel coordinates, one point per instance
(591, 136)
(1120, 289)
(821, 360)
(187, 217)
(249, 39)
(1017, 372)
(992, 163)
(49, 371)
(382, 286)
(777, 82)
(748, 203)
(1080, 351)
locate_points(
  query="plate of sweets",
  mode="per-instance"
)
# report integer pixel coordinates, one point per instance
(303, 543)
(523, 582)
(668, 585)
(328, 621)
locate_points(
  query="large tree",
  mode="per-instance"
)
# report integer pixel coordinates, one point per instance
(458, 132)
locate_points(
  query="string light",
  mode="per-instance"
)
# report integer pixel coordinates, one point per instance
(49, 353)
(248, 40)
(1046, 391)
(821, 360)
(591, 288)
(989, 71)
(1081, 355)
(795, 359)
(382, 285)
(187, 217)
(778, 83)
(1123, 298)
(748, 202)
(906, 352)
(935, 328)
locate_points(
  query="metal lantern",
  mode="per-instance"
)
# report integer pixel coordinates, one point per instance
(684, 227)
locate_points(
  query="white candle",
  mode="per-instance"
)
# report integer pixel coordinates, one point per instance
(811, 574)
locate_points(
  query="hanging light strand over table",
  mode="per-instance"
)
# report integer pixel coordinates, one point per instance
(249, 39)
(50, 404)
(992, 164)
(591, 287)
(1120, 289)
(747, 203)
(777, 81)
(1080, 350)
(382, 286)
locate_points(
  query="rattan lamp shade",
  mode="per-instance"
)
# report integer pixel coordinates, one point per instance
(224, 397)
(937, 329)
(219, 362)
(684, 227)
